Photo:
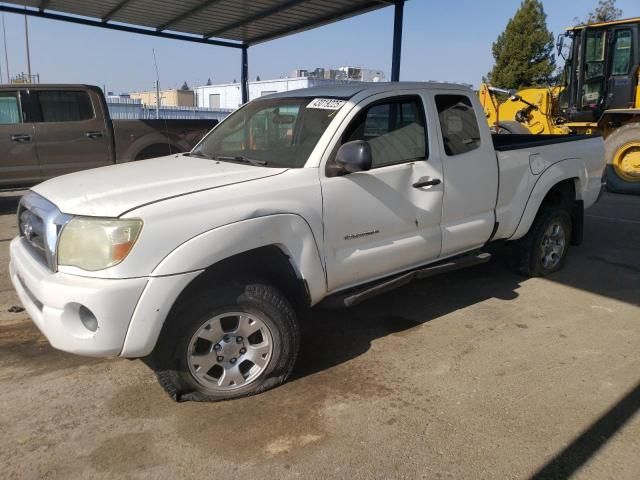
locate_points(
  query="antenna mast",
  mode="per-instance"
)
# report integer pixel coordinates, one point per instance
(6, 52)
(155, 62)
(26, 36)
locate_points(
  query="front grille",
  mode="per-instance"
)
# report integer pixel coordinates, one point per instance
(39, 224)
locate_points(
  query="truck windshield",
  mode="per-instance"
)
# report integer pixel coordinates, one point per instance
(278, 133)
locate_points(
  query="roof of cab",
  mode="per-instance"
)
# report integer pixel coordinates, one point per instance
(46, 86)
(352, 89)
(604, 24)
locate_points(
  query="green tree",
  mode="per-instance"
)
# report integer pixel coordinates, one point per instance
(523, 52)
(185, 86)
(606, 11)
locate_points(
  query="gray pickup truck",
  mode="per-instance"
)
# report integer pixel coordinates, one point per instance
(51, 130)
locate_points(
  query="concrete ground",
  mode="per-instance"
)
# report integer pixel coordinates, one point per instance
(475, 374)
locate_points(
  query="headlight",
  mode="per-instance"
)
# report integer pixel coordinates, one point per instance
(97, 243)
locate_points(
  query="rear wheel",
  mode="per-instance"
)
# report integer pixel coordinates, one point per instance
(542, 251)
(227, 343)
(622, 152)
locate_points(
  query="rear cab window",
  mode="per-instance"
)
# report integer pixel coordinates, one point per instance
(458, 124)
(10, 108)
(62, 106)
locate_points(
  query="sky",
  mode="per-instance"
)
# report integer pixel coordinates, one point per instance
(443, 40)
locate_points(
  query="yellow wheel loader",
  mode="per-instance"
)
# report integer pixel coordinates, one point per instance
(599, 94)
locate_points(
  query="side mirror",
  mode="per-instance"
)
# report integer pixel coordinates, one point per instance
(354, 156)
(560, 45)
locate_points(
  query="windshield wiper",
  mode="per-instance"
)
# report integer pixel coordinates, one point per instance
(240, 158)
(199, 155)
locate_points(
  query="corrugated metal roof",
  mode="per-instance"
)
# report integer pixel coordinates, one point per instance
(245, 21)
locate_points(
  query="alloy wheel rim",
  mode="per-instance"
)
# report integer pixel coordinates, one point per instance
(229, 351)
(553, 245)
(627, 162)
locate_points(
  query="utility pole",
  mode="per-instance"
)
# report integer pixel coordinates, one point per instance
(6, 53)
(157, 99)
(26, 34)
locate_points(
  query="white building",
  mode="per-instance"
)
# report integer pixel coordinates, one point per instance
(229, 95)
(342, 73)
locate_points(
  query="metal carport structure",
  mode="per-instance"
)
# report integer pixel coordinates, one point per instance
(228, 23)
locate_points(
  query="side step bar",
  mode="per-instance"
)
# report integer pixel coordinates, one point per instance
(360, 294)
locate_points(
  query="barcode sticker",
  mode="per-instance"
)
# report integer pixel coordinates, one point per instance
(326, 103)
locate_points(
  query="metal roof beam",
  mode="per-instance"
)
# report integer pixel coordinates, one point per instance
(115, 10)
(362, 7)
(187, 14)
(119, 27)
(255, 17)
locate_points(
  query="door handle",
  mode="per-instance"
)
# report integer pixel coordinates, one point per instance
(93, 134)
(427, 182)
(21, 138)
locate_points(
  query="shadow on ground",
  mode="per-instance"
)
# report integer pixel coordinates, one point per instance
(336, 336)
(568, 461)
(608, 262)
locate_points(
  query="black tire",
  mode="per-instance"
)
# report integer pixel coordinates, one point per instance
(169, 359)
(512, 128)
(623, 135)
(526, 252)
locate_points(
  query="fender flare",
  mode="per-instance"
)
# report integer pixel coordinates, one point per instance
(567, 169)
(289, 232)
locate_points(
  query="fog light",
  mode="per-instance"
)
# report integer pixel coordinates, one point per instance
(88, 319)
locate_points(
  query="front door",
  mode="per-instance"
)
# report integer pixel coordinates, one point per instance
(623, 69)
(377, 222)
(18, 160)
(593, 88)
(72, 134)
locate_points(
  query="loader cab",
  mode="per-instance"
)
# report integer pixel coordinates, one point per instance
(601, 70)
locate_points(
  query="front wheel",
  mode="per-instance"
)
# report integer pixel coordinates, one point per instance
(543, 249)
(228, 343)
(622, 153)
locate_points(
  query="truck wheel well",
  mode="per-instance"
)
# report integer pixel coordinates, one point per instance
(563, 194)
(267, 264)
(157, 150)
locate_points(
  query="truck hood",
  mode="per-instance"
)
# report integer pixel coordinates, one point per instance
(113, 190)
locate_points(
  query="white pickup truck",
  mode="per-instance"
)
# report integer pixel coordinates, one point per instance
(205, 263)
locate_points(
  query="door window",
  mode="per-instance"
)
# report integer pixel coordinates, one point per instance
(594, 54)
(621, 53)
(395, 130)
(9, 108)
(459, 125)
(64, 106)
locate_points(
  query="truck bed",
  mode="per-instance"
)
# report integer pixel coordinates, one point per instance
(503, 142)
(524, 163)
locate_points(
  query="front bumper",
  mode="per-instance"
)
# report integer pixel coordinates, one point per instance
(129, 311)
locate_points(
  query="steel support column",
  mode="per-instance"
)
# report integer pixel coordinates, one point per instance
(244, 77)
(397, 41)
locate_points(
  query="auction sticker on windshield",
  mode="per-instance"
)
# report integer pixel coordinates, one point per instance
(326, 103)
